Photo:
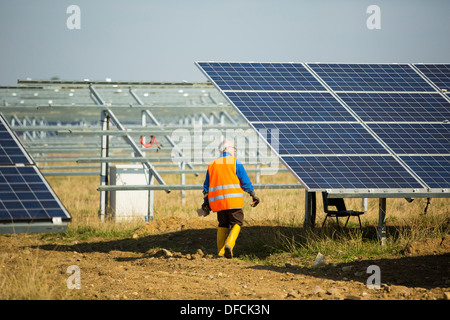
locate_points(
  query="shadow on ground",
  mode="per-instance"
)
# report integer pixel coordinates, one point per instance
(427, 271)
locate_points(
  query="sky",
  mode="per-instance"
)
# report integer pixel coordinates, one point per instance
(150, 40)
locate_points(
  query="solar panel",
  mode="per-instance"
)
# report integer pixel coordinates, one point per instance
(371, 77)
(260, 76)
(320, 138)
(289, 106)
(415, 138)
(351, 132)
(11, 150)
(439, 74)
(398, 106)
(351, 172)
(434, 170)
(25, 195)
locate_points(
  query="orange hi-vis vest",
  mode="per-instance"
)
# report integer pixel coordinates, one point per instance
(224, 191)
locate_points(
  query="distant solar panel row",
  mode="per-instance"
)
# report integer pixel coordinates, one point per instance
(319, 138)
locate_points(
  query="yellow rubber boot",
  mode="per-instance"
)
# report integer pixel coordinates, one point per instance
(222, 234)
(231, 241)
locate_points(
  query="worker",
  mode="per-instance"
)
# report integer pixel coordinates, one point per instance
(223, 191)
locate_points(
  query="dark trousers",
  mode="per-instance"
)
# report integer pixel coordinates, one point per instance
(228, 218)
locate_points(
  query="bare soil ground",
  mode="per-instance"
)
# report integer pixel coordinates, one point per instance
(174, 258)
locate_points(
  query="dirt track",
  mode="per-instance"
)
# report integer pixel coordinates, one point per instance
(173, 258)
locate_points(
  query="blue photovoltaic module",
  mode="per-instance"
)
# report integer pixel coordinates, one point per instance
(261, 76)
(371, 77)
(434, 170)
(351, 172)
(415, 138)
(321, 138)
(439, 74)
(25, 195)
(289, 106)
(11, 151)
(398, 107)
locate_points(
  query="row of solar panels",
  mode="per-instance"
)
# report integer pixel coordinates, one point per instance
(339, 77)
(348, 126)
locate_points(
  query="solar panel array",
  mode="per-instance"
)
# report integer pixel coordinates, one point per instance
(348, 126)
(25, 196)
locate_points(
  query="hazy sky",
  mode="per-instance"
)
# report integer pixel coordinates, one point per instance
(160, 40)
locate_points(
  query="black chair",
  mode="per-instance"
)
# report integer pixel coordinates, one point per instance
(341, 210)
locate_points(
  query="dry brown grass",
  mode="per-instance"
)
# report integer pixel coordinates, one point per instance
(24, 275)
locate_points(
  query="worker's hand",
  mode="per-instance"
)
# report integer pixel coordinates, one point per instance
(205, 206)
(255, 199)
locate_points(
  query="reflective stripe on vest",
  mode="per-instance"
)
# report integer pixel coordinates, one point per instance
(226, 196)
(228, 186)
(224, 190)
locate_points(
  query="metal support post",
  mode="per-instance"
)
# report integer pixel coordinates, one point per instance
(144, 124)
(33, 123)
(104, 166)
(310, 210)
(382, 221)
(364, 204)
(151, 195)
(183, 182)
